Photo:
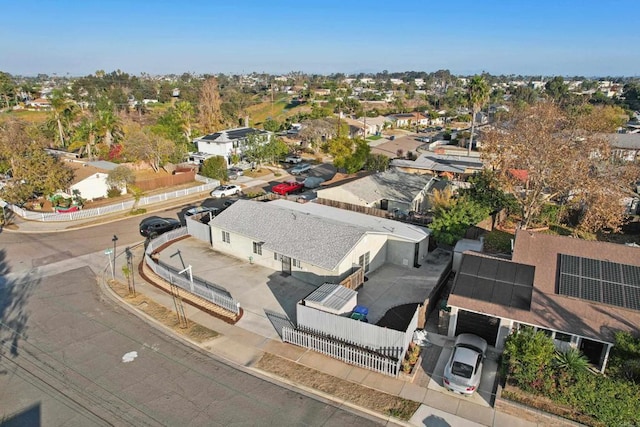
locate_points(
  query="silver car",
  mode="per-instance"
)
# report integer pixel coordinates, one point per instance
(463, 370)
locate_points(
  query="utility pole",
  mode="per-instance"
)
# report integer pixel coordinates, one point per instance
(132, 285)
(114, 240)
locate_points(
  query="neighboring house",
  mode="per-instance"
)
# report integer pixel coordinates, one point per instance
(578, 292)
(90, 179)
(38, 103)
(408, 119)
(356, 128)
(228, 142)
(315, 243)
(373, 125)
(440, 165)
(390, 190)
(625, 146)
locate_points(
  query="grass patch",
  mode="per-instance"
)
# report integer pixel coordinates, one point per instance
(374, 137)
(498, 241)
(359, 395)
(168, 318)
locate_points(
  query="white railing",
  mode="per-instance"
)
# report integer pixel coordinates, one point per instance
(208, 184)
(196, 287)
(341, 351)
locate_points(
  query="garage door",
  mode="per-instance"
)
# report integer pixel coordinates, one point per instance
(478, 324)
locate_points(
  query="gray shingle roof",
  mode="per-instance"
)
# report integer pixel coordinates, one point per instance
(440, 163)
(313, 233)
(391, 185)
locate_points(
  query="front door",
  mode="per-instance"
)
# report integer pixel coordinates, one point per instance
(286, 265)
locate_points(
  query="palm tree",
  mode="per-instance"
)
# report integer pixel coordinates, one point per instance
(109, 125)
(85, 136)
(478, 92)
(64, 111)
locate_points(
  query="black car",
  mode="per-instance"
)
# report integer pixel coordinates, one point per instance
(154, 226)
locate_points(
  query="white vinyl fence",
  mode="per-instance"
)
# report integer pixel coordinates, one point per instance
(208, 184)
(347, 353)
(198, 286)
(358, 343)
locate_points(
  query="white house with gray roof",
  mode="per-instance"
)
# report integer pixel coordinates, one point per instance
(313, 242)
(390, 190)
(228, 142)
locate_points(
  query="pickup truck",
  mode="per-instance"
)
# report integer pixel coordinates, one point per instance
(285, 188)
(293, 159)
(301, 168)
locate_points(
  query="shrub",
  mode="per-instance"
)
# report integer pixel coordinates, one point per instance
(113, 192)
(527, 358)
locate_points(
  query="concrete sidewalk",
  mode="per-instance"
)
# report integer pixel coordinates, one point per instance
(243, 346)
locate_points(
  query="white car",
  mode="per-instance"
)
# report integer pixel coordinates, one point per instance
(226, 190)
(463, 371)
(301, 168)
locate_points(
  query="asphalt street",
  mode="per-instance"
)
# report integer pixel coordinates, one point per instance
(69, 356)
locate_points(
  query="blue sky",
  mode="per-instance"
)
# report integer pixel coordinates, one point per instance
(543, 37)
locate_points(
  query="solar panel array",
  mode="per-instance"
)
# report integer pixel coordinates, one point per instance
(496, 281)
(600, 281)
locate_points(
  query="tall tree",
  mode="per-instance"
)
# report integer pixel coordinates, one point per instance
(64, 111)
(478, 93)
(541, 154)
(209, 108)
(144, 145)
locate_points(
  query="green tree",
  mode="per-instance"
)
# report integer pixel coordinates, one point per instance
(478, 93)
(377, 162)
(486, 190)
(271, 125)
(63, 113)
(36, 172)
(7, 88)
(557, 90)
(452, 216)
(215, 167)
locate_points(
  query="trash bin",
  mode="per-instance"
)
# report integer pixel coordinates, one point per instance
(361, 309)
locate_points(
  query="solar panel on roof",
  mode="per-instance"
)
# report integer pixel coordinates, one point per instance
(488, 270)
(483, 289)
(506, 272)
(464, 286)
(521, 297)
(600, 281)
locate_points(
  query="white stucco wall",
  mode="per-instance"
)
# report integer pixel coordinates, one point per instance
(93, 187)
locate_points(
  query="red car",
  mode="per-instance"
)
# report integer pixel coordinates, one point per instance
(285, 188)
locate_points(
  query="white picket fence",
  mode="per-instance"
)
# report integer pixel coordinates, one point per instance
(208, 184)
(196, 286)
(342, 351)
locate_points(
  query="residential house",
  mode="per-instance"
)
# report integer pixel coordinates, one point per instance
(440, 165)
(578, 292)
(373, 125)
(391, 190)
(625, 146)
(315, 243)
(90, 179)
(228, 142)
(408, 119)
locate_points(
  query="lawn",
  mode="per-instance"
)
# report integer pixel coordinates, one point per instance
(374, 137)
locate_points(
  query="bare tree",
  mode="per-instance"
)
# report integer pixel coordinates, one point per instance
(542, 154)
(209, 108)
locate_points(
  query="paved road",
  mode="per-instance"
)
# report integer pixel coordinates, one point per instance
(70, 356)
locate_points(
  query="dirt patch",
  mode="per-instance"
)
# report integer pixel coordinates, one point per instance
(345, 390)
(193, 331)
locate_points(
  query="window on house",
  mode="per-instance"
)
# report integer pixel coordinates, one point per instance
(257, 248)
(563, 337)
(296, 263)
(225, 237)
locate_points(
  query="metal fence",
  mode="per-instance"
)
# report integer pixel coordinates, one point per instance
(197, 286)
(347, 353)
(208, 184)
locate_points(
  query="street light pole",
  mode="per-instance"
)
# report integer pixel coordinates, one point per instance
(114, 240)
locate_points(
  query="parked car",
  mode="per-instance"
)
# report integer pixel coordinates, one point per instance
(463, 371)
(285, 188)
(313, 181)
(423, 139)
(293, 159)
(154, 226)
(235, 171)
(299, 169)
(201, 209)
(228, 203)
(226, 190)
